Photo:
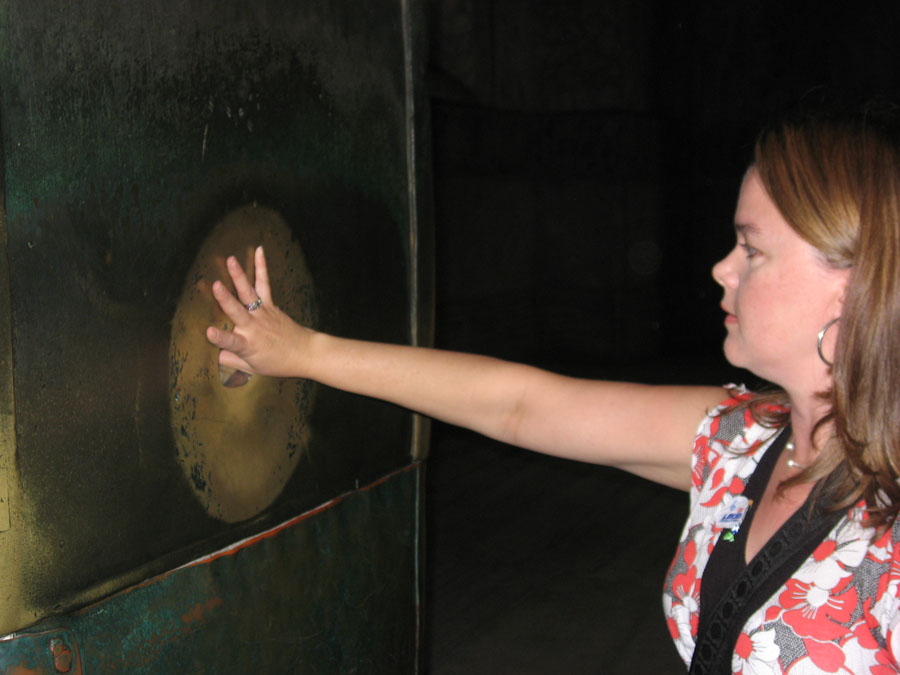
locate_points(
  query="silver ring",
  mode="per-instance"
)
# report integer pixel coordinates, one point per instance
(255, 305)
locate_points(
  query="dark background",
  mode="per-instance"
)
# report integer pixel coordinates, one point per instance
(587, 157)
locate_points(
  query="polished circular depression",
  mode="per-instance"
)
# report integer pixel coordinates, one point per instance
(238, 438)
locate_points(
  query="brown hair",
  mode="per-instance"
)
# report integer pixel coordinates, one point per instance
(836, 180)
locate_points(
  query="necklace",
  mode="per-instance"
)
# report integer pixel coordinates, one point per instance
(789, 451)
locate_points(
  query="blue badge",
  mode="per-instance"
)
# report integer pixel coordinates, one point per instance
(733, 516)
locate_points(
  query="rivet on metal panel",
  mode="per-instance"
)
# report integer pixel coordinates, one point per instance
(62, 655)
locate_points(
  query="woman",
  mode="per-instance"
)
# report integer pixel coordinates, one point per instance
(794, 493)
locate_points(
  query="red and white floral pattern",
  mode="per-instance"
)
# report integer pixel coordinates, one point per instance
(840, 610)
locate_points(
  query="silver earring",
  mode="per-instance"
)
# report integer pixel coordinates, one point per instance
(820, 337)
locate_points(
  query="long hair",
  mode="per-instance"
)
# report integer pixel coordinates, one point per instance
(836, 180)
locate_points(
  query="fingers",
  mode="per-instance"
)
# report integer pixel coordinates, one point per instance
(245, 291)
(233, 343)
(229, 343)
(231, 360)
(235, 310)
(224, 339)
(262, 276)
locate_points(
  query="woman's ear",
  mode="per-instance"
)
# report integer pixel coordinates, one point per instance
(841, 281)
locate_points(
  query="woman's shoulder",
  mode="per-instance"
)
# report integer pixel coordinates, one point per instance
(730, 417)
(744, 417)
(730, 438)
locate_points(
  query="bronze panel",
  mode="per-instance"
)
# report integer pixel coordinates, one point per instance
(129, 131)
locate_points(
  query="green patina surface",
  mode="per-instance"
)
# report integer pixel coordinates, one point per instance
(153, 93)
(333, 593)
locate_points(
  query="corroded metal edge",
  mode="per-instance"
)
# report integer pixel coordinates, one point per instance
(14, 610)
(7, 400)
(421, 254)
(186, 612)
(419, 196)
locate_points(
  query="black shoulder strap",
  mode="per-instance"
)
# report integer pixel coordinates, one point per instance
(781, 556)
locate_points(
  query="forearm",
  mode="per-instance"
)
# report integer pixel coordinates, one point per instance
(476, 392)
(647, 430)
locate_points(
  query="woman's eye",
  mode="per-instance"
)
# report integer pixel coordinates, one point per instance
(749, 250)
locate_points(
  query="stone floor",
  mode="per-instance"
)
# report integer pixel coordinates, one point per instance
(541, 565)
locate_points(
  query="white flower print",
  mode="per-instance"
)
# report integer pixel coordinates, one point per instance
(862, 660)
(835, 558)
(895, 639)
(684, 643)
(886, 610)
(756, 654)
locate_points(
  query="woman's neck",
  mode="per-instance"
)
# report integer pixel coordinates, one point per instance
(808, 439)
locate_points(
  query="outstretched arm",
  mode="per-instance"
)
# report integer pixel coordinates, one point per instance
(647, 430)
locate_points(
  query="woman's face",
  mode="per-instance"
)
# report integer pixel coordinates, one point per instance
(778, 294)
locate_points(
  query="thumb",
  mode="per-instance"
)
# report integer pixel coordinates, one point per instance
(231, 360)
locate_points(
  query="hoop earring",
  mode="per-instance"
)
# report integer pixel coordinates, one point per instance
(820, 337)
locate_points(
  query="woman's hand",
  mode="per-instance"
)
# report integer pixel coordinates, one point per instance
(265, 340)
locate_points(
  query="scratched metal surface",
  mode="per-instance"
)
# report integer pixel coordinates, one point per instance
(301, 600)
(127, 131)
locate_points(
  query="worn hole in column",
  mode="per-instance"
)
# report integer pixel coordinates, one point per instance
(232, 378)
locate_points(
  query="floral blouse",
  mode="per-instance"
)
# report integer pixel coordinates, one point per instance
(839, 611)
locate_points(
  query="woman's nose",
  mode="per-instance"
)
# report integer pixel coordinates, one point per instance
(723, 272)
